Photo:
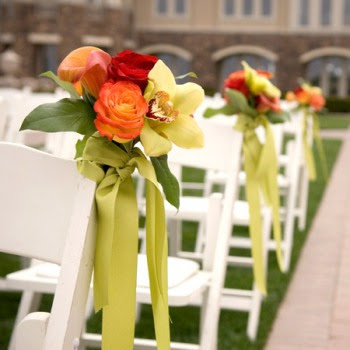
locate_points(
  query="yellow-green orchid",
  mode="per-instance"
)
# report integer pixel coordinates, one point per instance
(170, 116)
(259, 83)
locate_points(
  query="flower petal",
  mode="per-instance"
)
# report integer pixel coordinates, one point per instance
(188, 97)
(184, 132)
(95, 73)
(163, 79)
(73, 66)
(154, 144)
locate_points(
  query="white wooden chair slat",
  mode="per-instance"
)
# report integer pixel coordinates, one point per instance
(48, 214)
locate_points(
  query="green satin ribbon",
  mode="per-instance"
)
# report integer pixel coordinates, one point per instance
(115, 265)
(260, 165)
(309, 158)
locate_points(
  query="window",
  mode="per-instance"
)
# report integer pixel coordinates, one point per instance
(331, 73)
(266, 7)
(229, 7)
(347, 12)
(180, 7)
(326, 12)
(313, 72)
(45, 58)
(233, 63)
(248, 7)
(171, 7)
(177, 64)
(304, 6)
(162, 6)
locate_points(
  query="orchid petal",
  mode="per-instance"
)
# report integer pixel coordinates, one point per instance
(162, 79)
(154, 144)
(184, 132)
(188, 97)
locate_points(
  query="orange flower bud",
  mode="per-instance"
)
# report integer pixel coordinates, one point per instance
(120, 111)
(87, 65)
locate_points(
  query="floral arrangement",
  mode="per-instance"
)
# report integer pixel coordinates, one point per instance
(308, 96)
(310, 101)
(255, 101)
(116, 103)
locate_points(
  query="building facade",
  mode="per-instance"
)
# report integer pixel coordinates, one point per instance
(292, 38)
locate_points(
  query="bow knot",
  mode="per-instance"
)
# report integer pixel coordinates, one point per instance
(125, 171)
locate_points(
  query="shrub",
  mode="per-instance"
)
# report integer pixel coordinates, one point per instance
(338, 104)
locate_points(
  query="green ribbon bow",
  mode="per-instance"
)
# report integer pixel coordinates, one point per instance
(309, 157)
(115, 266)
(260, 165)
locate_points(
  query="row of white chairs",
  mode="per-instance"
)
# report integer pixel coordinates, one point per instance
(198, 209)
(70, 243)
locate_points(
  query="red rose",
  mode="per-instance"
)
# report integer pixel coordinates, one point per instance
(236, 81)
(131, 66)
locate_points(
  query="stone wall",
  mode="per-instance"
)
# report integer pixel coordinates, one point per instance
(69, 22)
(288, 48)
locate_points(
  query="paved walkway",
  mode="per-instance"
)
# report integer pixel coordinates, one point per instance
(315, 314)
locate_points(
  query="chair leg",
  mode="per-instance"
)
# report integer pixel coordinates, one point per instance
(254, 314)
(303, 199)
(175, 236)
(257, 298)
(30, 302)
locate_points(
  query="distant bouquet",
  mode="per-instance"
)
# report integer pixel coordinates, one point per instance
(308, 96)
(255, 101)
(310, 101)
(117, 102)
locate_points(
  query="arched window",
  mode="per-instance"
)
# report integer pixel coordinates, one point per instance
(232, 63)
(177, 64)
(331, 73)
(175, 57)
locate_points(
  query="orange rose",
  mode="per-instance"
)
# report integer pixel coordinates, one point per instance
(317, 102)
(120, 111)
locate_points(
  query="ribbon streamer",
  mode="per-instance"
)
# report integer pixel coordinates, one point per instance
(115, 265)
(309, 158)
(260, 165)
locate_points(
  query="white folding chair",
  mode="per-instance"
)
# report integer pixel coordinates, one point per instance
(48, 214)
(188, 284)
(195, 208)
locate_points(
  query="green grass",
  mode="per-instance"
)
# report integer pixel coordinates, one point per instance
(184, 327)
(335, 121)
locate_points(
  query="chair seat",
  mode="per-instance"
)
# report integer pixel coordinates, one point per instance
(196, 209)
(185, 280)
(220, 177)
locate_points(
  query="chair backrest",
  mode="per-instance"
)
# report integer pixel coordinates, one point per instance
(48, 213)
(220, 142)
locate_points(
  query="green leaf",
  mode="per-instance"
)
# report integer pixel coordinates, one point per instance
(79, 147)
(278, 117)
(189, 74)
(168, 181)
(228, 110)
(65, 85)
(64, 115)
(240, 102)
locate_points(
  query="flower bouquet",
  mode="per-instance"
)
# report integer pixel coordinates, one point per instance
(116, 103)
(251, 96)
(310, 102)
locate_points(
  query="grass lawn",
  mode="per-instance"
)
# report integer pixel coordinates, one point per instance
(185, 320)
